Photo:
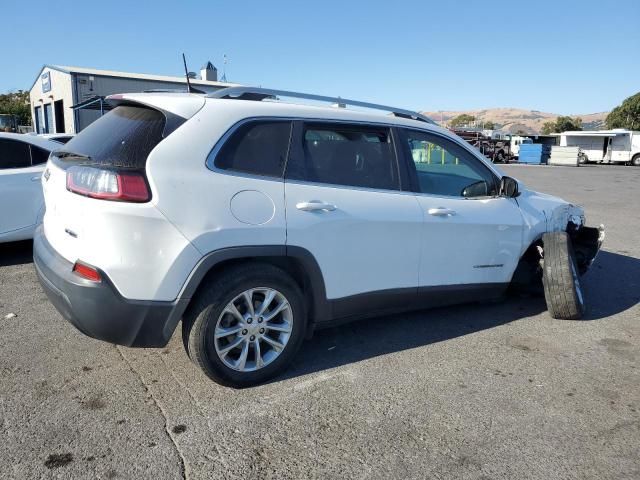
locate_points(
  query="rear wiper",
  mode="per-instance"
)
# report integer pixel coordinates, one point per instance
(65, 154)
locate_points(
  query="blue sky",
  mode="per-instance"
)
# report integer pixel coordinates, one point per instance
(558, 56)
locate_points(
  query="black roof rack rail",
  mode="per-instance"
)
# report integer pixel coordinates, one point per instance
(258, 94)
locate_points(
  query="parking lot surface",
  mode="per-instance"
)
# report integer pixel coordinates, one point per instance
(478, 391)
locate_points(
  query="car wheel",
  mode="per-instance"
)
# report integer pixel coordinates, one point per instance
(635, 161)
(246, 325)
(562, 289)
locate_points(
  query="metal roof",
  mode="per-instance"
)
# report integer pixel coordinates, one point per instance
(138, 76)
(597, 133)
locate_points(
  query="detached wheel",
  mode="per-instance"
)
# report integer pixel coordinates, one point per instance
(246, 325)
(562, 289)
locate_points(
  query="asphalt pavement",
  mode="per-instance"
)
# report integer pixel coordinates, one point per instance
(471, 392)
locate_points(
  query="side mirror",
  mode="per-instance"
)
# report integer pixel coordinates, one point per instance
(509, 187)
(478, 189)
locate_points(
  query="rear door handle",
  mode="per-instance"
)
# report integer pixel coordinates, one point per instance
(315, 205)
(441, 212)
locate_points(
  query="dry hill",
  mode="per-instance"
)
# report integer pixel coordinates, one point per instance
(514, 119)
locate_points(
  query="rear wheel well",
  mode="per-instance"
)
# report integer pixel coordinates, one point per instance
(292, 266)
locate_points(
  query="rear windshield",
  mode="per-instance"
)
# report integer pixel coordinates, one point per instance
(122, 138)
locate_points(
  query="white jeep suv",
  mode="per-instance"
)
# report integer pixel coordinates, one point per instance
(257, 221)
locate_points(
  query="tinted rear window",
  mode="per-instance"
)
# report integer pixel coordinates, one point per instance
(14, 154)
(124, 137)
(38, 155)
(257, 147)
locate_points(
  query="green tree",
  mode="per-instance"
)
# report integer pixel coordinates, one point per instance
(16, 103)
(562, 124)
(489, 125)
(463, 119)
(626, 115)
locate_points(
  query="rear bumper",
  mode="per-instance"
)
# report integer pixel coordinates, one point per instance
(97, 309)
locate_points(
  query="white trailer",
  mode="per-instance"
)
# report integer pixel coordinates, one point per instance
(606, 146)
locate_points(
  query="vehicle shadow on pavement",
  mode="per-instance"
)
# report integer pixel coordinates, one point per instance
(16, 253)
(373, 337)
(612, 285)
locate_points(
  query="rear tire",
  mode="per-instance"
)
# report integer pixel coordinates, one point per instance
(562, 289)
(213, 313)
(635, 161)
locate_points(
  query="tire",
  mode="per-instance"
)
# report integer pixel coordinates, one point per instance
(562, 289)
(209, 315)
(635, 161)
(500, 157)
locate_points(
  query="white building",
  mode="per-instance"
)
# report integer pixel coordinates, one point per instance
(67, 99)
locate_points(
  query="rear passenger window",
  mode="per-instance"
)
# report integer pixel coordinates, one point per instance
(343, 154)
(38, 155)
(14, 154)
(258, 148)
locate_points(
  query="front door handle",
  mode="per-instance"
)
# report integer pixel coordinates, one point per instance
(315, 205)
(441, 212)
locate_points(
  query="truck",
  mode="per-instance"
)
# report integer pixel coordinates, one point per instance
(498, 150)
(605, 146)
(516, 141)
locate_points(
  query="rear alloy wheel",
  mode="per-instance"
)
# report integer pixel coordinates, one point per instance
(562, 289)
(246, 325)
(253, 329)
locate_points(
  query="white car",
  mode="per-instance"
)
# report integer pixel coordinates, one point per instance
(22, 161)
(257, 221)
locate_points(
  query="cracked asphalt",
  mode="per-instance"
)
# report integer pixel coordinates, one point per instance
(472, 392)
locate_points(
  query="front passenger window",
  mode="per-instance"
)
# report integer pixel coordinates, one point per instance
(446, 169)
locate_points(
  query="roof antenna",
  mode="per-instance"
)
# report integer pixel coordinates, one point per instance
(189, 76)
(186, 72)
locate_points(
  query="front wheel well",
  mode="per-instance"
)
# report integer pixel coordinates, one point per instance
(527, 276)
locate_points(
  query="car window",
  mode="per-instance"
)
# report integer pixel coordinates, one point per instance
(124, 138)
(444, 168)
(14, 154)
(256, 147)
(344, 154)
(38, 155)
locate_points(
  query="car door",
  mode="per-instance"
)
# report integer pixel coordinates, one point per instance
(20, 188)
(345, 205)
(471, 236)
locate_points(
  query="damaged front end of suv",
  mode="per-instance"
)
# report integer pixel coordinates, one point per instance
(561, 248)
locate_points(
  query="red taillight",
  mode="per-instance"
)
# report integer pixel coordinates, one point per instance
(105, 184)
(87, 272)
